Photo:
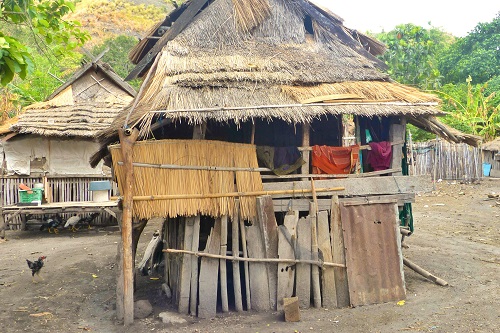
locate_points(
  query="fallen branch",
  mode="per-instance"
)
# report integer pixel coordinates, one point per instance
(424, 273)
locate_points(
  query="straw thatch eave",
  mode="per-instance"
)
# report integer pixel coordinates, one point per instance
(84, 120)
(5, 126)
(433, 125)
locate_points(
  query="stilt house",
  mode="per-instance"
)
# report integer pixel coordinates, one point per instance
(240, 122)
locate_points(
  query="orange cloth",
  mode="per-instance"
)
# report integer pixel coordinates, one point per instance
(334, 160)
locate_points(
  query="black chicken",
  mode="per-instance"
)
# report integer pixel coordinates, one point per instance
(51, 224)
(88, 219)
(35, 267)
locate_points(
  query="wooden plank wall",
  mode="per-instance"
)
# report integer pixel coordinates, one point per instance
(64, 189)
(269, 282)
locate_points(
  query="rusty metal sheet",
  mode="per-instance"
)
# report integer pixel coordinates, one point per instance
(373, 255)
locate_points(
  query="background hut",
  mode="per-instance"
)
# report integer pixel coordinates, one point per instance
(51, 141)
(491, 157)
(238, 76)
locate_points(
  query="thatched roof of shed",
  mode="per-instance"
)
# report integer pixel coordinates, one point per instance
(83, 106)
(236, 60)
(493, 145)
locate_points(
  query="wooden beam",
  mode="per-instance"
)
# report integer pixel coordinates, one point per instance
(356, 186)
(127, 144)
(178, 26)
(397, 134)
(329, 98)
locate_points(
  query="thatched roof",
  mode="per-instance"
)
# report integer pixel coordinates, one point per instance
(236, 60)
(493, 145)
(83, 106)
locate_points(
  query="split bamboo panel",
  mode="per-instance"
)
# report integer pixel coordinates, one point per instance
(151, 182)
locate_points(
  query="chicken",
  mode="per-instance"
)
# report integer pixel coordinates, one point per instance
(35, 267)
(51, 224)
(88, 219)
(72, 221)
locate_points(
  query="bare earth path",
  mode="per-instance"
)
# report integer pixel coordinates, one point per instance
(457, 238)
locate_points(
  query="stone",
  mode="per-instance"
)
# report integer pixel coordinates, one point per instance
(171, 318)
(291, 308)
(142, 309)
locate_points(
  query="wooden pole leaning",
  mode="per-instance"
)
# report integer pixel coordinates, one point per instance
(127, 141)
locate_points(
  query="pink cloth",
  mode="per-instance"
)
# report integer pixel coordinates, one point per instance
(380, 156)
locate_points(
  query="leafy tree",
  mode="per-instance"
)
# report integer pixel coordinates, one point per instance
(411, 54)
(476, 55)
(45, 20)
(473, 109)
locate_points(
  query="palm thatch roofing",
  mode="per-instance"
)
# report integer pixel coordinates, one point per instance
(237, 60)
(493, 145)
(82, 107)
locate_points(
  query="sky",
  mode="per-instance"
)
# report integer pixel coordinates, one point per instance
(453, 16)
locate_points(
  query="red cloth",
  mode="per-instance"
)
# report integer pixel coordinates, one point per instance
(334, 160)
(380, 156)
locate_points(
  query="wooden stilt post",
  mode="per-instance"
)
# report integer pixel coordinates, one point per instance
(194, 267)
(3, 225)
(238, 302)
(222, 265)
(305, 154)
(315, 284)
(245, 265)
(127, 141)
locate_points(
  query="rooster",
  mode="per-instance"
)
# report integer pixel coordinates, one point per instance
(52, 223)
(35, 267)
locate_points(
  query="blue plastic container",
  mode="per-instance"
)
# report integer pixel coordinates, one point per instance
(486, 169)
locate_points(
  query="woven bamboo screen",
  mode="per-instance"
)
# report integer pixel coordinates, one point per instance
(153, 181)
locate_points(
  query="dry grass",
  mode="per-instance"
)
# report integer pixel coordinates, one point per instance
(149, 181)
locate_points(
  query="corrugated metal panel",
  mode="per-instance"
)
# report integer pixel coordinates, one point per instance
(373, 256)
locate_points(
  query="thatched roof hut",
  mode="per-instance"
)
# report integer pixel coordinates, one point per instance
(84, 105)
(257, 59)
(493, 145)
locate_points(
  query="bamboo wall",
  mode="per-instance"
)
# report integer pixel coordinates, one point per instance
(447, 161)
(63, 190)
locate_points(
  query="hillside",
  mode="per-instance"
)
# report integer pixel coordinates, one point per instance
(105, 19)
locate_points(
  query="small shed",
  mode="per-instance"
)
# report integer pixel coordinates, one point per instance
(236, 140)
(491, 157)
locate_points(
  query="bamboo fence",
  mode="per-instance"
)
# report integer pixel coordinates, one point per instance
(447, 161)
(64, 189)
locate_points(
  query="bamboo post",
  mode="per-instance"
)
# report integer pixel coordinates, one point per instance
(313, 213)
(127, 141)
(424, 273)
(238, 303)
(222, 264)
(245, 265)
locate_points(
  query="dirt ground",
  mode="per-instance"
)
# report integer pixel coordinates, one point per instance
(456, 238)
